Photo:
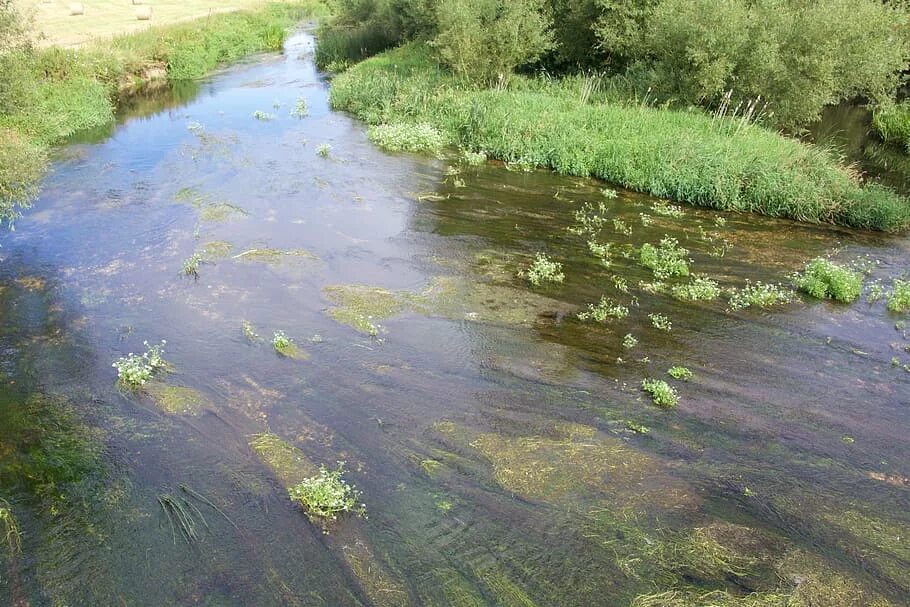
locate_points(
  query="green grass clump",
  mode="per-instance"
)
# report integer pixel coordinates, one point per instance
(760, 295)
(406, 137)
(542, 270)
(899, 296)
(678, 155)
(823, 279)
(700, 288)
(662, 394)
(666, 260)
(893, 123)
(327, 495)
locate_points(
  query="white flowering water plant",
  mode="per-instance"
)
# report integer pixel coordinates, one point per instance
(327, 495)
(136, 369)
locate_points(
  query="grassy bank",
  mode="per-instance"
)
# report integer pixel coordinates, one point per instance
(52, 93)
(691, 157)
(893, 124)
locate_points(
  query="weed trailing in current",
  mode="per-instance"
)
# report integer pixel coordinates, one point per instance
(604, 311)
(760, 295)
(662, 394)
(681, 373)
(136, 369)
(542, 270)
(700, 288)
(899, 296)
(327, 495)
(823, 279)
(666, 260)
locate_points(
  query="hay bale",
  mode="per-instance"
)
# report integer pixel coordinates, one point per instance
(143, 13)
(138, 2)
(76, 8)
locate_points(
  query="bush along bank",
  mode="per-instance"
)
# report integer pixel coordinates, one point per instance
(46, 95)
(713, 161)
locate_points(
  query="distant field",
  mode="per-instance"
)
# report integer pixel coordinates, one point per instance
(107, 18)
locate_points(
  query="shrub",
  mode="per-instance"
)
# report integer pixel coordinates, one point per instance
(662, 393)
(405, 137)
(543, 270)
(823, 278)
(327, 495)
(484, 40)
(22, 164)
(668, 259)
(899, 296)
(135, 369)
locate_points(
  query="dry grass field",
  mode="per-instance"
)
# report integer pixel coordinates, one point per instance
(107, 18)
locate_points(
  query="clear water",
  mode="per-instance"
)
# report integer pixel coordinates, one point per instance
(487, 427)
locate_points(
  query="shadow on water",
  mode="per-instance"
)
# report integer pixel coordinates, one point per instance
(505, 451)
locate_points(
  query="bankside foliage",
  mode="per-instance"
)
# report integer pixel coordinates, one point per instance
(796, 56)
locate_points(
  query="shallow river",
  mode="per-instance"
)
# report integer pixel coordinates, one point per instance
(505, 452)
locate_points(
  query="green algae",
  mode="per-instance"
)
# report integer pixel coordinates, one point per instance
(359, 306)
(215, 250)
(274, 256)
(177, 400)
(292, 351)
(220, 211)
(287, 463)
(382, 587)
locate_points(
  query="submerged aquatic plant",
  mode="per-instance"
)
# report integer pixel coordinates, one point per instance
(629, 341)
(666, 209)
(264, 116)
(136, 369)
(899, 296)
(603, 252)
(604, 310)
(760, 295)
(823, 279)
(660, 321)
(662, 393)
(9, 529)
(621, 227)
(681, 373)
(249, 331)
(666, 260)
(542, 270)
(327, 495)
(183, 516)
(637, 428)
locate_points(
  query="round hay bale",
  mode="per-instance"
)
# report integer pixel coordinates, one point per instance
(143, 13)
(138, 2)
(76, 8)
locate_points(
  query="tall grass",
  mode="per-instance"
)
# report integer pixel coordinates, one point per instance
(55, 92)
(893, 124)
(684, 156)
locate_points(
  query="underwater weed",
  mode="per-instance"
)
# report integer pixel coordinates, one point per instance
(759, 294)
(666, 209)
(327, 495)
(183, 516)
(135, 369)
(9, 529)
(822, 278)
(637, 428)
(661, 322)
(604, 310)
(666, 260)
(899, 296)
(324, 150)
(280, 340)
(264, 116)
(542, 270)
(601, 251)
(621, 227)
(629, 341)
(662, 394)
(246, 327)
(681, 373)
